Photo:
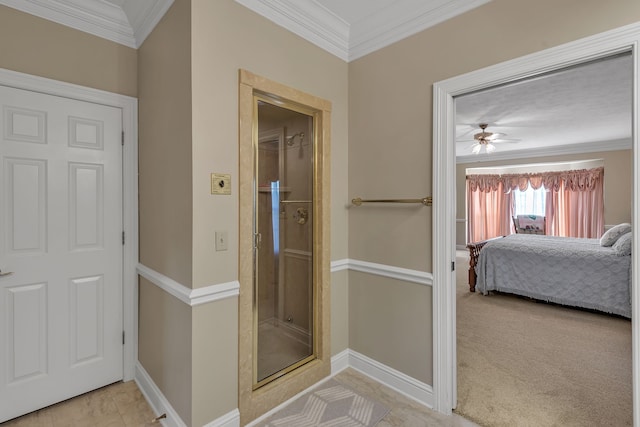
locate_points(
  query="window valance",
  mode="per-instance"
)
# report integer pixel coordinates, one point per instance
(575, 180)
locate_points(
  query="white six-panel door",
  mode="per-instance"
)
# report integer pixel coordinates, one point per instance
(60, 249)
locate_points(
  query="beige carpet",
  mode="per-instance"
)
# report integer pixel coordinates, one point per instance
(524, 363)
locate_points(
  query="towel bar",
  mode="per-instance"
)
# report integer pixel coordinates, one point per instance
(426, 201)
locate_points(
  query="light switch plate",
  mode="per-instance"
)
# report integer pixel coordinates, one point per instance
(220, 183)
(221, 241)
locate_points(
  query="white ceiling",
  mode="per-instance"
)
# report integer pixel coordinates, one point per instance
(582, 109)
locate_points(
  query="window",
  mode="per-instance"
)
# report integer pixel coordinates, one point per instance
(529, 202)
(573, 206)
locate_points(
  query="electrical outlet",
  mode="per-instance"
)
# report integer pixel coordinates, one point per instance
(221, 240)
(220, 183)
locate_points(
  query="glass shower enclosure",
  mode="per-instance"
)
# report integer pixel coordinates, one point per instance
(284, 152)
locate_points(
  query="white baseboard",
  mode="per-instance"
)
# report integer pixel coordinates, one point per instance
(160, 405)
(231, 419)
(340, 362)
(396, 380)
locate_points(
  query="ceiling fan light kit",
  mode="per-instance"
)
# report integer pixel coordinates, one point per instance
(483, 139)
(482, 135)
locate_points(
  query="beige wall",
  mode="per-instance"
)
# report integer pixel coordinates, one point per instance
(215, 360)
(164, 345)
(165, 169)
(43, 48)
(167, 339)
(390, 129)
(227, 37)
(387, 319)
(618, 184)
(188, 130)
(189, 352)
(339, 311)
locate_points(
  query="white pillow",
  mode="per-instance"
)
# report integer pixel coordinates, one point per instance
(614, 233)
(622, 246)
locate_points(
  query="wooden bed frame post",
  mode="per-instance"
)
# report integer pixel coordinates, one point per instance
(474, 253)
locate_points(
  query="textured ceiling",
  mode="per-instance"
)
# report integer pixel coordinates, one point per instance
(589, 105)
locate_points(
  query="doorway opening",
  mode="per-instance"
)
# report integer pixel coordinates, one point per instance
(444, 298)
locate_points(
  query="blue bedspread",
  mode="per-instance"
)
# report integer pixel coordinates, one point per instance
(563, 270)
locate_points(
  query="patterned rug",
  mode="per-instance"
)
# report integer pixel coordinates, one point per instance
(331, 404)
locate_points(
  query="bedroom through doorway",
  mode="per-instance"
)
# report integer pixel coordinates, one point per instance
(518, 357)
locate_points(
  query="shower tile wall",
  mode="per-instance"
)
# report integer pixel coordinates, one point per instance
(298, 238)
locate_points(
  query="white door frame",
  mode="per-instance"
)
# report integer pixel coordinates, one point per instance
(444, 190)
(129, 108)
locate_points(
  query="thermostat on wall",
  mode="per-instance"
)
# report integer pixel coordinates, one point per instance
(220, 183)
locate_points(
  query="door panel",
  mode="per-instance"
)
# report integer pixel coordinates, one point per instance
(25, 203)
(85, 206)
(61, 237)
(27, 327)
(87, 319)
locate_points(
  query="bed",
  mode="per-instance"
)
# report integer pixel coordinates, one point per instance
(569, 271)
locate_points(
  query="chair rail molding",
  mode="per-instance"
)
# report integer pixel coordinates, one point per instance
(399, 273)
(187, 295)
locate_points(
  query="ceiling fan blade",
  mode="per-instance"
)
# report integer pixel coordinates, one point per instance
(463, 132)
(495, 136)
(510, 141)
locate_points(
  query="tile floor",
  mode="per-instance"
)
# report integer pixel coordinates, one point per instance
(404, 412)
(277, 349)
(117, 405)
(123, 405)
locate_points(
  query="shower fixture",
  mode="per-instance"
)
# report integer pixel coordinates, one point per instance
(290, 139)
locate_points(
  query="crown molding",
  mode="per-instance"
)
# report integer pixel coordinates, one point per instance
(557, 150)
(318, 25)
(401, 20)
(309, 20)
(100, 18)
(131, 23)
(144, 20)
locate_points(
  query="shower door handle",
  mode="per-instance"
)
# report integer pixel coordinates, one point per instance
(257, 240)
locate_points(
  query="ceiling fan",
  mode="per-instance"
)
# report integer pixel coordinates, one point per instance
(485, 140)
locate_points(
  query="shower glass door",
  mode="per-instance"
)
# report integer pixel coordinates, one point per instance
(283, 230)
